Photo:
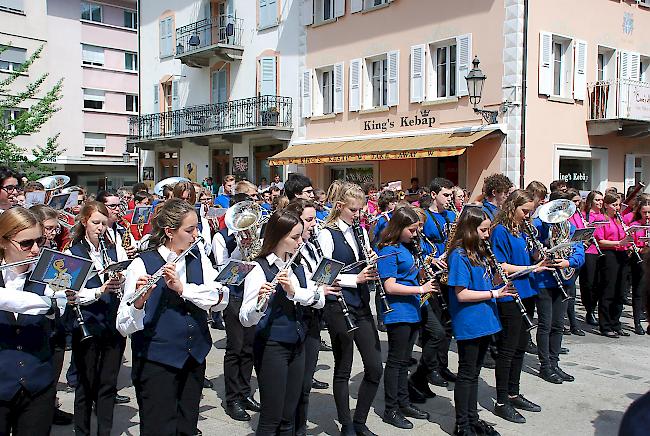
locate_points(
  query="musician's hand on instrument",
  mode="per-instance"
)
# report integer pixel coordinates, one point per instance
(367, 274)
(142, 281)
(439, 263)
(430, 286)
(172, 280)
(285, 282)
(544, 265)
(72, 296)
(332, 290)
(506, 291)
(560, 263)
(265, 289)
(131, 251)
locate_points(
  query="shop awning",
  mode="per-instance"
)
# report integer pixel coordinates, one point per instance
(409, 147)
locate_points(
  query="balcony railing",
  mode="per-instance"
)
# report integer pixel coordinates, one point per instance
(225, 29)
(267, 111)
(621, 99)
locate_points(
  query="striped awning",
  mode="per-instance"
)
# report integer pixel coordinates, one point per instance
(408, 147)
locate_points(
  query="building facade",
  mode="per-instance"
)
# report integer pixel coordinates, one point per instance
(93, 46)
(218, 82)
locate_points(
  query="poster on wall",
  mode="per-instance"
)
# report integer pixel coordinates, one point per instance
(240, 167)
(147, 173)
(189, 171)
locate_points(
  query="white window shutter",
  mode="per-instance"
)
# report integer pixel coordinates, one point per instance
(580, 70)
(356, 6)
(635, 60)
(417, 73)
(339, 8)
(393, 77)
(162, 32)
(306, 93)
(624, 64)
(463, 61)
(156, 93)
(354, 97)
(545, 63)
(307, 12)
(338, 88)
(267, 76)
(175, 99)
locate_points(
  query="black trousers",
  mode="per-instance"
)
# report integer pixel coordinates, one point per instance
(511, 344)
(28, 414)
(470, 358)
(550, 315)
(435, 343)
(638, 287)
(445, 321)
(610, 304)
(238, 359)
(401, 337)
(589, 288)
(571, 306)
(280, 370)
(367, 341)
(312, 348)
(168, 397)
(98, 361)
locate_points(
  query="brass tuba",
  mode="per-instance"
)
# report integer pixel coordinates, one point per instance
(244, 219)
(557, 214)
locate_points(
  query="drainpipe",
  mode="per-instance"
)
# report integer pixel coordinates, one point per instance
(524, 72)
(139, 164)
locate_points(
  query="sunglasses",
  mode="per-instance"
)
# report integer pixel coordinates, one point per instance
(10, 188)
(27, 244)
(111, 206)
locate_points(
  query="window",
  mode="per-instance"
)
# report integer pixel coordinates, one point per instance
(644, 69)
(166, 37)
(559, 75)
(130, 19)
(369, 4)
(12, 58)
(601, 67)
(11, 115)
(268, 13)
(130, 61)
(379, 82)
(92, 55)
(94, 99)
(325, 79)
(131, 103)
(557, 68)
(445, 70)
(12, 5)
(327, 12)
(91, 12)
(94, 142)
(219, 87)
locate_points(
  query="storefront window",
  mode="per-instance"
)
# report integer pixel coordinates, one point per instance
(577, 173)
(358, 175)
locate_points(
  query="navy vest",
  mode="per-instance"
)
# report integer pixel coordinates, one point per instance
(25, 349)
(355, 297)
(236, 292)
(283, 321)
(100, 316)
(174, 329)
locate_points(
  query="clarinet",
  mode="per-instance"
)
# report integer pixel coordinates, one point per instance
(374, 285)
(506, 281)
(531, 231)
(106, 260)
(264, 299)
(633, 246)
(349, 321)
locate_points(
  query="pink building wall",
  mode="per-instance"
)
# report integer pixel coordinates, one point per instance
(97, 78)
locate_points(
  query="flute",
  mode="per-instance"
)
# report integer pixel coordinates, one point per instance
(506, 281)
(263, 300)
(159, 273)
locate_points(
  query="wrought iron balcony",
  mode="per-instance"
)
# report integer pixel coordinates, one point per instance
(621, 105)
(267, 112)
(220, 37)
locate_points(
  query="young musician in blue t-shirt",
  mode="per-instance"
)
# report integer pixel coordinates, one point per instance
(474, 314)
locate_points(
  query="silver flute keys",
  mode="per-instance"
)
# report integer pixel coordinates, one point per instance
(264, 299)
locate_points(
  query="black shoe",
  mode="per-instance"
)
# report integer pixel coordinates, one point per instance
(483, 428)
(348, 430)
(422, 387)
(217, 325)
(381, 327)
(465, 431)
(531, 348)
(121, 399)
(395, 418)
(578, 332)
(448, 375)
(622, 332)
(638, 329)
(435, 378)
(550, 376)
(249, 403)
(564, 350)
(207, 384)
(324, 346)
(237, 412)
(566, 331)
(610, 334)
(362, 430)
(509, 413)
(591, 319)
(521, 403)
(411, 411)
(315, 384)
(415, 396)
(563, 375)
(61, 417)
(489, 362)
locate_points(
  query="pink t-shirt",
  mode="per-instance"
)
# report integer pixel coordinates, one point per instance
(640, 234)
(613, 231)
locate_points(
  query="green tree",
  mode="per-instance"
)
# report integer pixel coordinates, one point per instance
(31, 117)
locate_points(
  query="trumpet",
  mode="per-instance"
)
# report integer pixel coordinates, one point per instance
(153, 279)
(633, 247)
(263, 300)
(506, 281)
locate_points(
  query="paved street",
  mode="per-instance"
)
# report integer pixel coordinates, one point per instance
(609, 375)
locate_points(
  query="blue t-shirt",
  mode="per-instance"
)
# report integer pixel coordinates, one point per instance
(512, 249)
(401, 266)
(266, 206)
(470, 320)
(380, 225)
(322, 214)
(545, 279)
(436, 227)
(490, 209)
(222, 200)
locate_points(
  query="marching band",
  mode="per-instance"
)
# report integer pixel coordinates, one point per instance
(165, 267)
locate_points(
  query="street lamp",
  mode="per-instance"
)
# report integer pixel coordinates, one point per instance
(475, 80)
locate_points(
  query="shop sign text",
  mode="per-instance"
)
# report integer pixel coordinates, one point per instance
(419, 120)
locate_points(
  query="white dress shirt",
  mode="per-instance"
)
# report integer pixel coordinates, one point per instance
(211, 295)
(327, 245)
(14, 299)
(221, 255)
(205, 246)
(248, 314)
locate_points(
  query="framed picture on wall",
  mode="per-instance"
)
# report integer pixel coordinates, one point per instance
(147, 173)
(240, 166)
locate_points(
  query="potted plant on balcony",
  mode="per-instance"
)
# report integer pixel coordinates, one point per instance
(270, 116)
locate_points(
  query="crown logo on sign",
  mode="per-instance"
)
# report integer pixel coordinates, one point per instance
(424, 112)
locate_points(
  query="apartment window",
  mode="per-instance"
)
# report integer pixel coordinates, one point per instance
(644, 69)
(92, 55)
(328, 9)
(166, 37)
(130, 19)
(131, 103)
(557, 68)
(445, 70)
(369, 4)
(91, 12)
(601, 67)
(557, 75)
(12, 5)
(130, 61)
(12, 58)
(268, 13)
(326, 84)
(379, 82)
(94, 99)
(94, 142)
(9, 116)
